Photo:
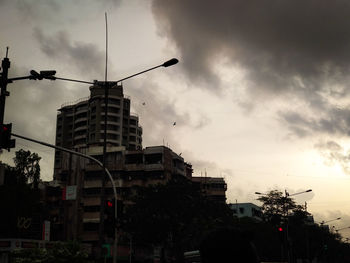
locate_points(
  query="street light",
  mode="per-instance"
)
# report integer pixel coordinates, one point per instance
(258, 193)
(342, 229)
(324, 222)
(307, 191)
(166, 64)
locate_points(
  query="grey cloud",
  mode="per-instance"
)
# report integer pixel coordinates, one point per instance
(158, 113)
(330, 120)
(85, 57)
(38, 10)
(49, 11)
(287, 49)
(207, 168)
(274, 41)
(333, 153)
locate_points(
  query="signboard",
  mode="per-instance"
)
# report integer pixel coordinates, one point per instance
(46, 230)
(69, 192)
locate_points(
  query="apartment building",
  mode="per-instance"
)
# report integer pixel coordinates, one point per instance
(82, 123)
(130, 169)
(246, 210)
(212, 187)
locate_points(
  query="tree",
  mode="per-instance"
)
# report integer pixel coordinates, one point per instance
(175, 216)
(276, 206)
(19, 201)
(27, 167)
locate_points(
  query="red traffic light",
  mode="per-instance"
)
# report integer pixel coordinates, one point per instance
(280, 229)
(109, 203)
(5, 137)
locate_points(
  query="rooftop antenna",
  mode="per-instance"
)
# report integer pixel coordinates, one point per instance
(106, 48)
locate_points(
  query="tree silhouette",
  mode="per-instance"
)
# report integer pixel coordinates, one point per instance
(175, 216)
(27, 167)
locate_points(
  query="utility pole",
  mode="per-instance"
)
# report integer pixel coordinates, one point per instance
(4, 80)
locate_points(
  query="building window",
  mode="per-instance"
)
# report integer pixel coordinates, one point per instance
(113, 119)
(114, 101)
(91, 226)
(241, 210)
(155, 158)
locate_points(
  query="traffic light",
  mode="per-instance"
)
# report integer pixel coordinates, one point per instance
(109, 223)
(44, 74)
(5, 137)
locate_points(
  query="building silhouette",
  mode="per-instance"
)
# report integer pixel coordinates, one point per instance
(80, 126)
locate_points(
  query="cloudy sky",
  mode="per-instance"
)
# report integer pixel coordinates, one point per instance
(260, 95)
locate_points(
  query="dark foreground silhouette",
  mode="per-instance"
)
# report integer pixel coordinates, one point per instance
(228, 245)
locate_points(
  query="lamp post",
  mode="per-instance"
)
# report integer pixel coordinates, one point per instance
(285, 215)
(341, 229)
(324, 222)
(287, 220)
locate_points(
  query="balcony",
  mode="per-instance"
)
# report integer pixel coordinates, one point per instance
(178, 170)
(80, 137)
(110, 166)
(82, 110)
(92, 201)
(134, 167)
(154, 167)
(92, 216)
(81, 119)
(90, 184)
(90, 236)
(81, 128)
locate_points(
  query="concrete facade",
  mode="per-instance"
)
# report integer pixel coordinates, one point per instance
(246, 210)
(212, 187)
(130, 170)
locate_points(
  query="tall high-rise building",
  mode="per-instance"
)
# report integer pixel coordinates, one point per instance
(81, 124)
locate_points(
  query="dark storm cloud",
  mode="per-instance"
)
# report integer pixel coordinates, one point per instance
(287, 49)
(85, 57)
(336, 121)
(37, 10)
(273, 41)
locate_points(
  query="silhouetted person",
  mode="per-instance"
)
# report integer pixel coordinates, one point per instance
(228, 245)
